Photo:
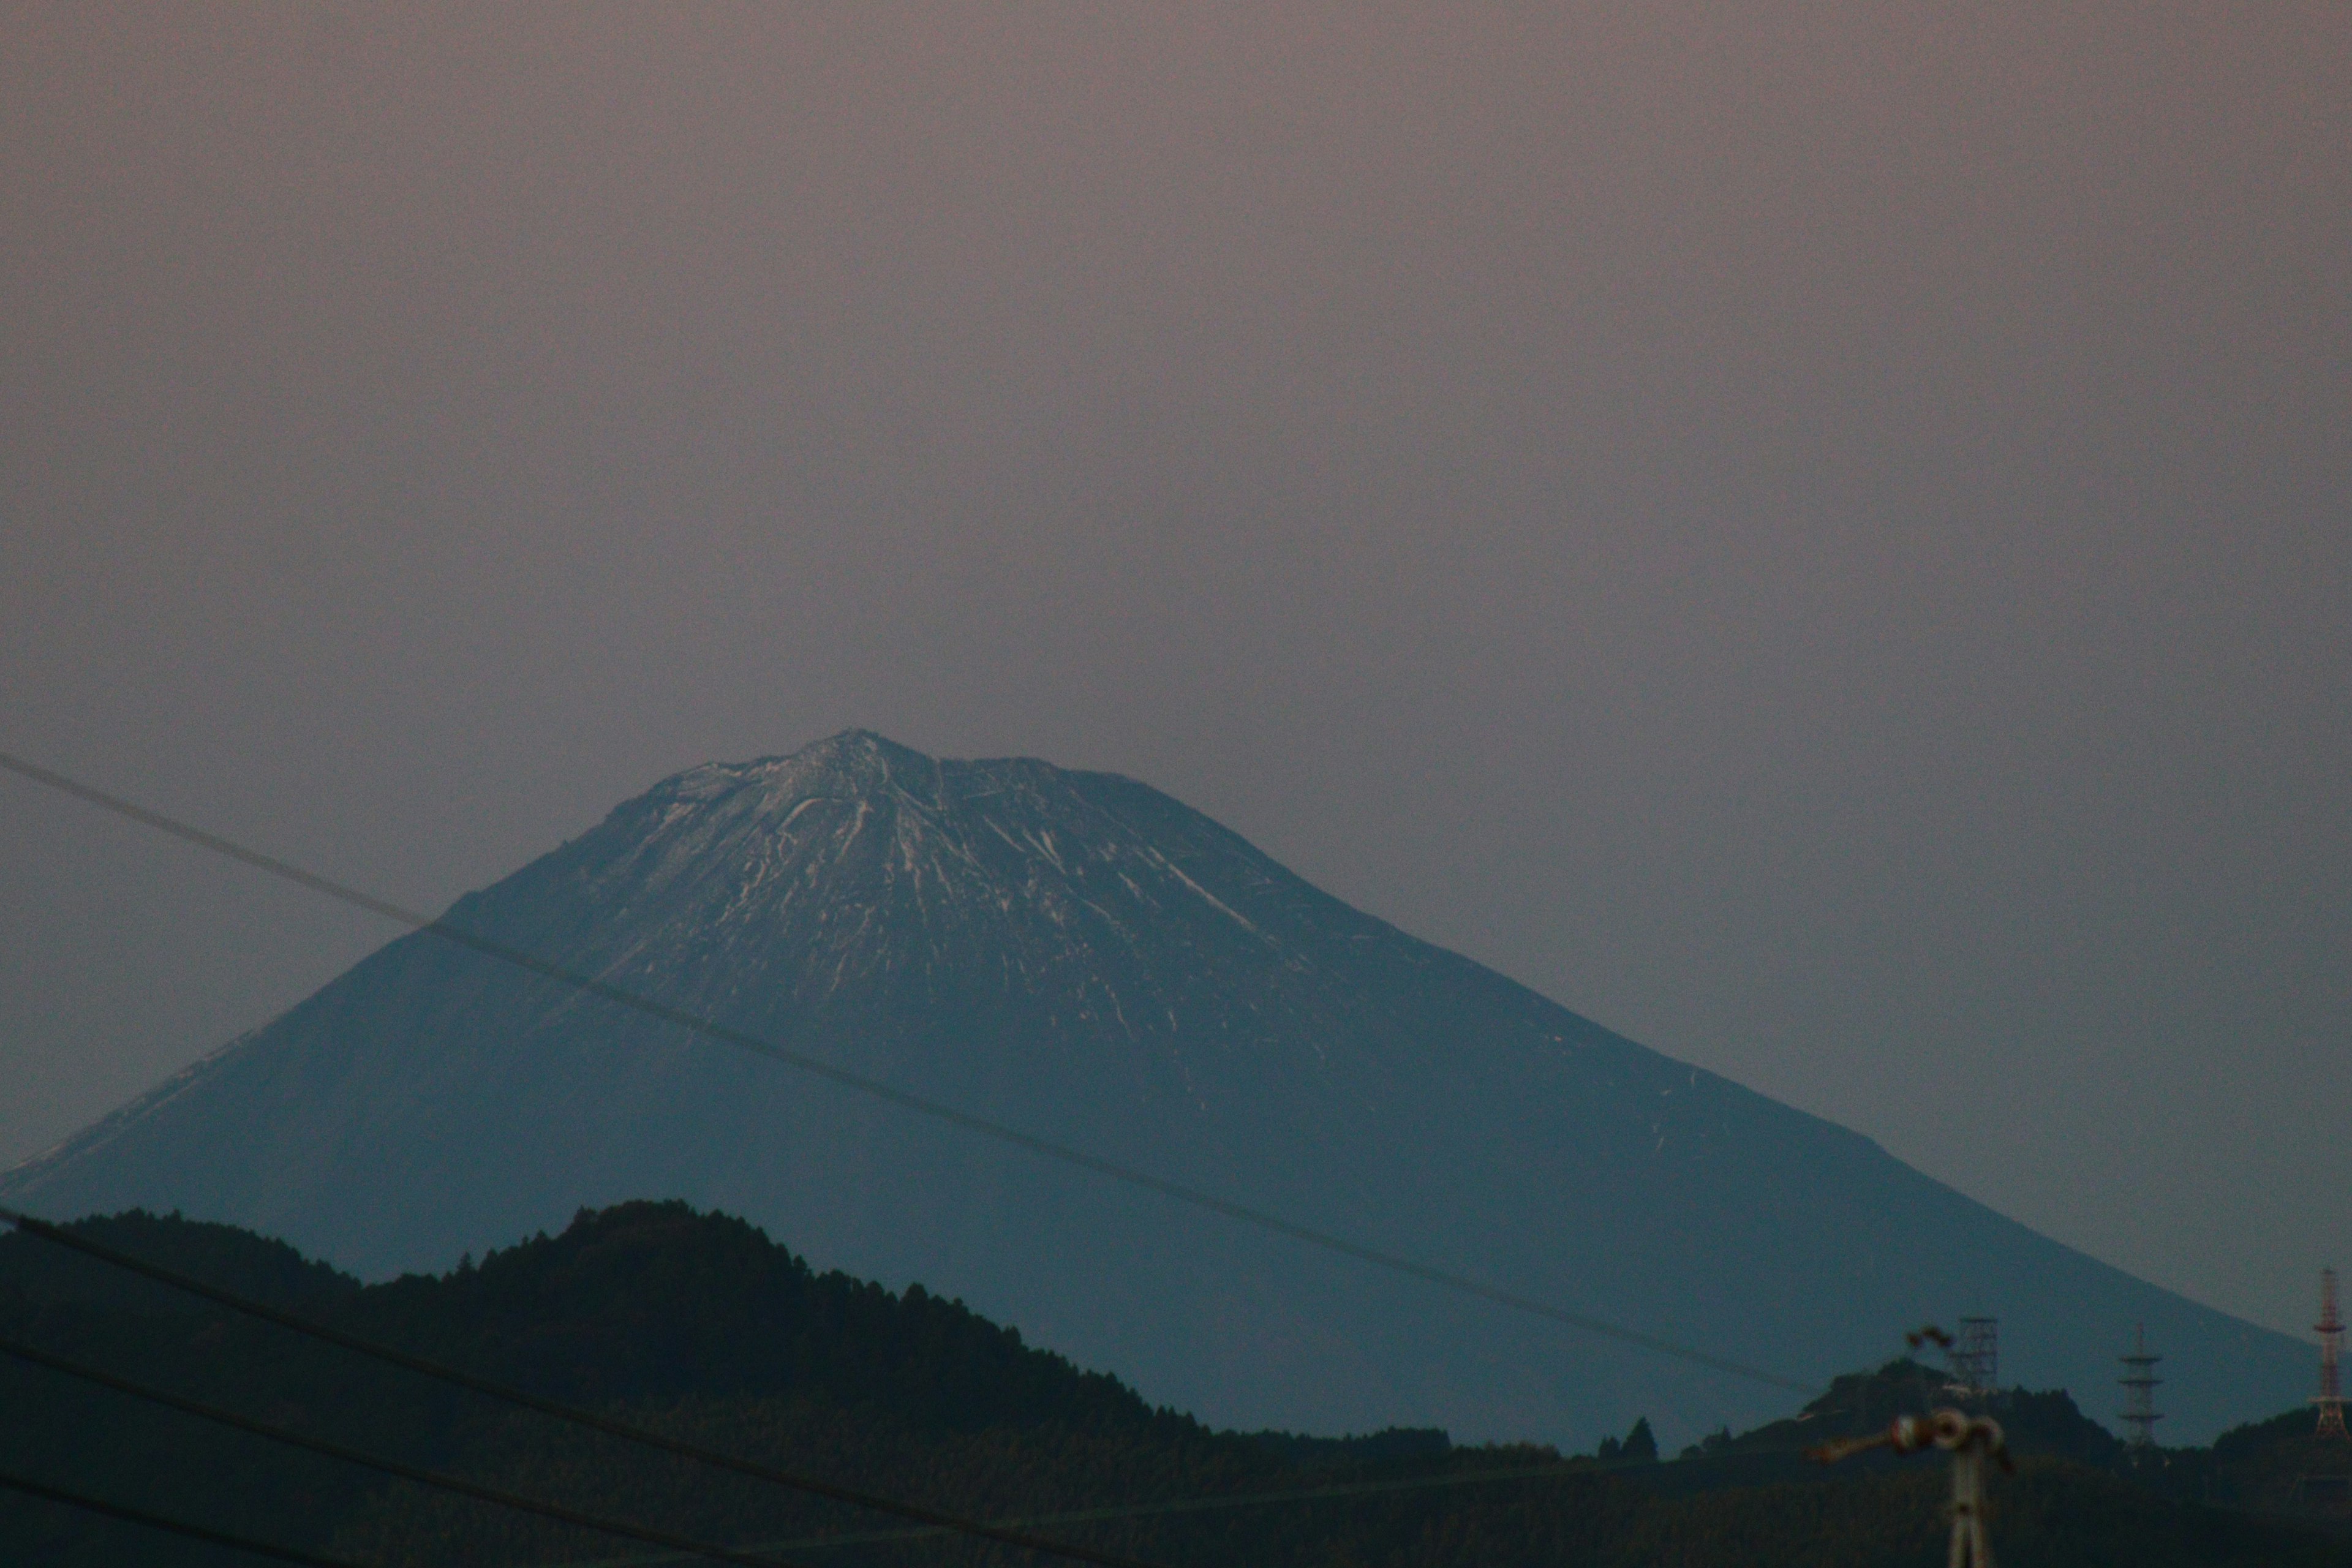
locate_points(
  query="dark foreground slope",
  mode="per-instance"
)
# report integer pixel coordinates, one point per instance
(1085, 958)
(698, 1325)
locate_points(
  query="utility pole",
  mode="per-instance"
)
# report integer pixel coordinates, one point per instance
(1970, 1441)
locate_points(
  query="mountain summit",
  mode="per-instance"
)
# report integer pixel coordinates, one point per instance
(1082, 957)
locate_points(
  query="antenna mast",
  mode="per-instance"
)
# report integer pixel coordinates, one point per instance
(2139, 1381)
(2330, 1329)
(1975, 1361)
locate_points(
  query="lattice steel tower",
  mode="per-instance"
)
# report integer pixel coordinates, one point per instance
(2139, 1381)
(1974, 1360)
(2330, 1329)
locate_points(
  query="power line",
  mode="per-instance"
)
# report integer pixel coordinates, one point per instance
(938, 1110)
(761, 1554)
(171, 1526)
(577, 1417)
(1556, 1469)
(685, 1544)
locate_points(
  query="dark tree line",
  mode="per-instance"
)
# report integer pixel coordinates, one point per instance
(698, 1325)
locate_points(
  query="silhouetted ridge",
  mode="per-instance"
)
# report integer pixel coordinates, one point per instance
(701, 1326)
(227, 1256)
(650, 1300)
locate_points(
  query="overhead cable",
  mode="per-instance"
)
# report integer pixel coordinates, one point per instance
(938, 1110)
(1556, 1469)
(683, 1544)
(179, 1527)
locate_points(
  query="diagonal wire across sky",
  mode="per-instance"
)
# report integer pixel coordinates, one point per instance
(938, 1110)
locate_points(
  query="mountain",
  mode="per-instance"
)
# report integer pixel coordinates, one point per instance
(1085, 958)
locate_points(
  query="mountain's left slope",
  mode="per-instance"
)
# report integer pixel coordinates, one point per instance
(1080, 956)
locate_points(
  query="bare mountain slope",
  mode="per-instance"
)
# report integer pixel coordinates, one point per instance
(1085, 958)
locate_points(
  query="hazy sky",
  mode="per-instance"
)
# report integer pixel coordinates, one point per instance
(1818, 535)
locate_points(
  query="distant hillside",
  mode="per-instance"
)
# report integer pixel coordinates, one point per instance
(699, 1325)
(1079, 956)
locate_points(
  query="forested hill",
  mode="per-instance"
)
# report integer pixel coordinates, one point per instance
(697, 1324)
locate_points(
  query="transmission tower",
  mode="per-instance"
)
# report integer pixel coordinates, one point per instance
(1975, 1360)
(2139, 1381)
(2330, 1329)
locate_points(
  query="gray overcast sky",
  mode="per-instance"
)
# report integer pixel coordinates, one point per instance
(1817, 535)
